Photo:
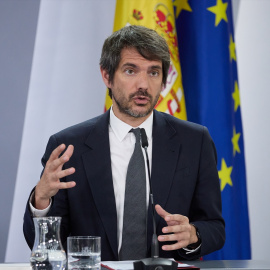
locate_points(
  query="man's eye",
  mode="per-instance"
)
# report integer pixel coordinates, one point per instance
(129, 71)
(154, 73)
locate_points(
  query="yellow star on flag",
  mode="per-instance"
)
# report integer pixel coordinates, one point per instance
(235, 140)
(181, 5)
(236, 96)
(220, 10)
(225, 175)
(232, 49)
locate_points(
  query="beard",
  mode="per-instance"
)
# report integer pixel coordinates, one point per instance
(125, 104)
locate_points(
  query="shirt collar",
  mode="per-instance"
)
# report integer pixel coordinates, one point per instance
(121, 129)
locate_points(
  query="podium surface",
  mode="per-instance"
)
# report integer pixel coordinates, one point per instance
(231, 264)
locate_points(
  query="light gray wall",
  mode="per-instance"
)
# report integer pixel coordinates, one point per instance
(65, 88)
(18, 21)
(252, 36)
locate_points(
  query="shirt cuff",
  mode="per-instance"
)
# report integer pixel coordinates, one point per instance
(37, 212)
(189, 251)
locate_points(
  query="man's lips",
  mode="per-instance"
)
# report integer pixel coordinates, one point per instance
(141, 99)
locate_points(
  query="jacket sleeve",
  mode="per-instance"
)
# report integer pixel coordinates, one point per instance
(206, 208)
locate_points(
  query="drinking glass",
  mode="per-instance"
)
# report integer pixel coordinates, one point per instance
(84, 252)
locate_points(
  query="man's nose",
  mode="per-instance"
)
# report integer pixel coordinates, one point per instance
(143, 81)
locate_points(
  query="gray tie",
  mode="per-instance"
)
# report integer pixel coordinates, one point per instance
(134, 224)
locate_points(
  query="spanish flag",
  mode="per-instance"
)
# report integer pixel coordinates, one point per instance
(157, 15)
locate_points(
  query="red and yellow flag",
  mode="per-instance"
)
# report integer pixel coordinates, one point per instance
(157, 15)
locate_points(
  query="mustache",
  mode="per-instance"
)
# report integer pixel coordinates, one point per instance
(140, 93)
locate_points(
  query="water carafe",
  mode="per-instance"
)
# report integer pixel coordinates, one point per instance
(48, 252)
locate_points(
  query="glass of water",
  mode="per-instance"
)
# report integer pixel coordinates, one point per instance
(84, 252)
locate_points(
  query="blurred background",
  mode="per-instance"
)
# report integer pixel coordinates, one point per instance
(50, 79)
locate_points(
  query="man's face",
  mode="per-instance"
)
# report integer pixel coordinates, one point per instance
(136, 85)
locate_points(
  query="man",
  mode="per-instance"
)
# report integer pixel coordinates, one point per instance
(85, 184)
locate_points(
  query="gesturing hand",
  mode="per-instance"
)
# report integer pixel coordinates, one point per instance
(49, 183)
(181, 231)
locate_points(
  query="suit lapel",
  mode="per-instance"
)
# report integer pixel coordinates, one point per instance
(165, 155)
(97, 163)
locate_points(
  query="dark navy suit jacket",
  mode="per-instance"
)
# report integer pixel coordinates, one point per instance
(184, 179)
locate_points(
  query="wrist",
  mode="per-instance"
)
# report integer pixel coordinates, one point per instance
(40, 202)
(195, 238)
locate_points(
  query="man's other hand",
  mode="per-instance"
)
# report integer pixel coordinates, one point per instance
(49, 183)
(178, 230)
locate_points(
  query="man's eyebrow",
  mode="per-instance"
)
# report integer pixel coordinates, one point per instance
(129, 65)
(135, 66)
(156, 67)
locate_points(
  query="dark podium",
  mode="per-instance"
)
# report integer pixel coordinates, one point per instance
(232, 264)
(225, 264)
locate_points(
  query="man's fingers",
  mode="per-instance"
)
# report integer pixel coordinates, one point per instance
(176, 219)
(55, 161)
(174, 237)
(56, 152)
(176, 229)
(69, 150)
(175, 246)
(161, 211)
(169, 218)
(66, 185)
(65, 173)
(181, 240)
(49, 183)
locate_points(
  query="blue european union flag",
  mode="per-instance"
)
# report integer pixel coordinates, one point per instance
(209, 69)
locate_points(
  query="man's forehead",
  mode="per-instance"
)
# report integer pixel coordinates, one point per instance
(131, 55)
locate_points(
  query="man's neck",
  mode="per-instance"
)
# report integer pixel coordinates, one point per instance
(128, 119)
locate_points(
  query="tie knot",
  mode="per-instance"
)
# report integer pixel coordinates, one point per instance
(137, 134)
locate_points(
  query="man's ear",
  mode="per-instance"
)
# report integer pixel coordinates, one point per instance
(105, 77)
